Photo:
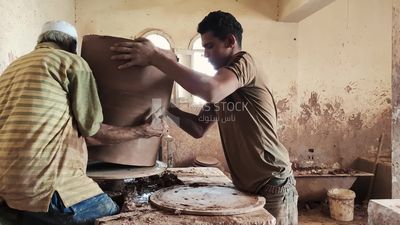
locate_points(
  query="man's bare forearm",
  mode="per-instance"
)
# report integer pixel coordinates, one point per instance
(195, 125)
(109, 134)
(187, 122)
(195, 82)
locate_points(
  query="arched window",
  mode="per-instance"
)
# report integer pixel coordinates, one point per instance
(159, 41)
(162, 40)
(158, 37)
(200, 63)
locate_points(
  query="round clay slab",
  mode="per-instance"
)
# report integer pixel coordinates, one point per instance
(106, 171)
(206, 200)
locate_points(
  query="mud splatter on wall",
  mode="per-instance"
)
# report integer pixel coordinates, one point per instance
(335, 133)
(344, 83)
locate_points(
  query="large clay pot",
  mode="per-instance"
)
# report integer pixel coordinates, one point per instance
(127, 97)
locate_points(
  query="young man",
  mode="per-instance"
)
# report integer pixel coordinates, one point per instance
(240, 99)
(48, 104)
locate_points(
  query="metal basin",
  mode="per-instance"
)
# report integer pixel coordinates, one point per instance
(313, 187)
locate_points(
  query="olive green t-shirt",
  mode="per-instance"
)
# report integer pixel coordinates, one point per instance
(247, 121)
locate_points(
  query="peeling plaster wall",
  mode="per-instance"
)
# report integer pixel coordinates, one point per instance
(270, 41)
(21, 22)
(396, 101)
(344, 83)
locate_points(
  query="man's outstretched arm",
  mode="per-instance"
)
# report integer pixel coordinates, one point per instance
(109, 134)
(195, 125)
(141, 52)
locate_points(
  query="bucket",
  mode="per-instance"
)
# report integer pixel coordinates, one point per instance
(341, 204)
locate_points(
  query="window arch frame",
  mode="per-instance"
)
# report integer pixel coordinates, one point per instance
(149, 31)
(193, 40)
(194, 51)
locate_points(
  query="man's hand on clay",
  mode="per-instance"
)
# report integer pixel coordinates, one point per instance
(154, 129)
(138, 52)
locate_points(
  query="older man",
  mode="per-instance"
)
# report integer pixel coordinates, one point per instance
(48, 104)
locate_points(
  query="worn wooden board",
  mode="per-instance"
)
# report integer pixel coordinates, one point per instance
(153, 217)
(201, 175)
(190, 175)
(353, 174)
(206, 200)
(107, 171)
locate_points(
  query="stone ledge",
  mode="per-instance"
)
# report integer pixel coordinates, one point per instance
(384, 212)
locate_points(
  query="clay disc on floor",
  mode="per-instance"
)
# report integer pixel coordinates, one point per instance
(206, 161)
(108, 171)
(206, 200)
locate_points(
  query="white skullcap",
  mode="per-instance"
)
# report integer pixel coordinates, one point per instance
(62, 26)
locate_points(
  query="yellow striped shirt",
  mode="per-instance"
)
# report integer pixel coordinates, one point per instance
(48, 101)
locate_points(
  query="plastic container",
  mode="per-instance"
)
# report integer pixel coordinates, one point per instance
(341, 204)
(171, 149)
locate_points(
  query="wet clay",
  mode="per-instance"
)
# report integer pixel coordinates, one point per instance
(127, 97)
(206, 200)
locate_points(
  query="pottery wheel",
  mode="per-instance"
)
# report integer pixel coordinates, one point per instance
(109, 171)
(206, 200)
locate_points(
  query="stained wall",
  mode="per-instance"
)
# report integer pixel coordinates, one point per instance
(331, 73)
(21, 22)
(343, 84)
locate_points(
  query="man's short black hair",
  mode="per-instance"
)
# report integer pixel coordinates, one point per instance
(221, 24)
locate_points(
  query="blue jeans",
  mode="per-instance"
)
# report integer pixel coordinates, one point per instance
(82, 213)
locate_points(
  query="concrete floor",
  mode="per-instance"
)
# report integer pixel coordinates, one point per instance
(311, 217)
(317, 215)
(320, 216)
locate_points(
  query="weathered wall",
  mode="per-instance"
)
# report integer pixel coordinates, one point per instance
(344, 83)
(396, 100)
(21, 22)
(330, 73)
(271, 41)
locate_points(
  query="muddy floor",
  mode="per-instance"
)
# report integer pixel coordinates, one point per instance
(317, 213)
(130, 194)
